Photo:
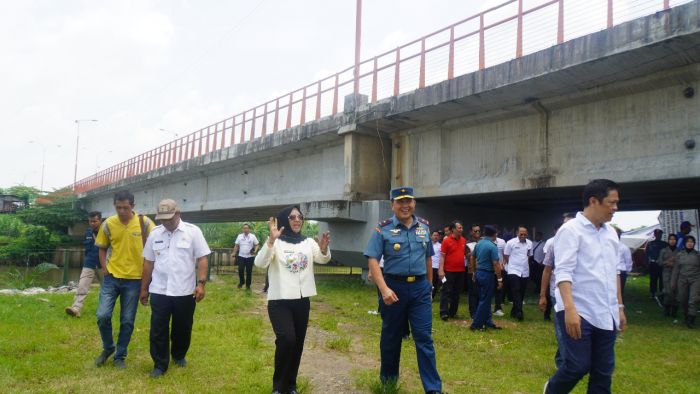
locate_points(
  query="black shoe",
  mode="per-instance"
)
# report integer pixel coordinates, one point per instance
(102, 358)
(494, 327)
(182, 363)
(690, 322)
(477, 328)
(239, 286)
(156, 373)
(120, 364)
(293, 391)
(548, 318)
(443, 317)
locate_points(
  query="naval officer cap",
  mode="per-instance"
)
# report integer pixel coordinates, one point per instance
(401, 192)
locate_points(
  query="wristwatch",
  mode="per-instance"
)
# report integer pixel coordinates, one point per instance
(202, 282)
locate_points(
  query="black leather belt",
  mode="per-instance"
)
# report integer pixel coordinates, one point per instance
(403, 278)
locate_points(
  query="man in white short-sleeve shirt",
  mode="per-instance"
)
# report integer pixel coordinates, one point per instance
(174, 274)
(588, 297)
(517, 255)
(244, 250)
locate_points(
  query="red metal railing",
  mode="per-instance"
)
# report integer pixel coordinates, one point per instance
(499, 34)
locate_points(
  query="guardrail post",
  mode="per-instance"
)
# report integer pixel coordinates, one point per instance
(560, 23)
(421, 76)
(610, 13)
(397, 72)
(519, 38)
(451, 60)
(482, 55)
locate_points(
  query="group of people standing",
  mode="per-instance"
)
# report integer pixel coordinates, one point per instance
(674, 271)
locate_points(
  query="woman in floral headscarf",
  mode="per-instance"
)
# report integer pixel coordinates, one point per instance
(290, 257)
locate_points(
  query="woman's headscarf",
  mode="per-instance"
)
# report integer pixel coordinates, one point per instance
(288, 235)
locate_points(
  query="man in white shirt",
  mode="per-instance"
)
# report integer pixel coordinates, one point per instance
(174, 273)
(517, 255)
(244, 250)
(588, 298)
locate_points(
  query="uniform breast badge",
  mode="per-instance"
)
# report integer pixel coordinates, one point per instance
(397, 247)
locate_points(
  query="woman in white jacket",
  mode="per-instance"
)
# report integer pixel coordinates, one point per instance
(290, 257)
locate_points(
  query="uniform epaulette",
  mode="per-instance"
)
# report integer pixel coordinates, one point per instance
(382, 224)
(385, 222)
(424, 221)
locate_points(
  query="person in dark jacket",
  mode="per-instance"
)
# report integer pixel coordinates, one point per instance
(686, 280)
(90, 265)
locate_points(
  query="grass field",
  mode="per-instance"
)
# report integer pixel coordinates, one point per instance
(42, 350)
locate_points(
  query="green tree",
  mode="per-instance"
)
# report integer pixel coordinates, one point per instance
(58, 213)
(27, 193)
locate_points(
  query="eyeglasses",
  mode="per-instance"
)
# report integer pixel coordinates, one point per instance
(476, 231)
(295, 217)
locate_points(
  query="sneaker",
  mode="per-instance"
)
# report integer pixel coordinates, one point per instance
(498, 313)
(119, 364)
(182, 363)
(102, 358)
(443, 317)
(156, 373)
(72, 311)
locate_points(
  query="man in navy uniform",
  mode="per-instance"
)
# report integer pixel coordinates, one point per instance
(404, 242)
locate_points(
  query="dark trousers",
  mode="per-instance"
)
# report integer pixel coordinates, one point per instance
(181, 309)
(517, 286)
(437, 283)
(536, 270)
(472, 293)
(245, 270)
(414, 303)
(380, 302)
(548, 308)
(449, 295)
(482, 316)
(593, 354)
(289, 319)
(656, 282)
(500, 294)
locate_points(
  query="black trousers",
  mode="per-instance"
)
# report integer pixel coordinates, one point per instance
(548, 308)
(472, 293)
(536, 271)
(517, 287)
(500, 294)
(245, 267)
(181, 309)
(450, 292)
(437, 283)
(656, 282)
(289, 319)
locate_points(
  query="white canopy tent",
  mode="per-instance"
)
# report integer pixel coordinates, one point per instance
(635, 239)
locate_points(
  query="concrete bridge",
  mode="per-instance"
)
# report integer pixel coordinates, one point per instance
(510, 143)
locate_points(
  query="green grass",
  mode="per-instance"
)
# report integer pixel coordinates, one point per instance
(42, 350)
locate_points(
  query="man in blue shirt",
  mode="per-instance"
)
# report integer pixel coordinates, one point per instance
(486, 261)
(404, 243)
(90, 264)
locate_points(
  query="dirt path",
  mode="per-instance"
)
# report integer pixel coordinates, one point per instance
(327, 370)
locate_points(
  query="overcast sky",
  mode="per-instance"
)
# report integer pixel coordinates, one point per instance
(138, 66)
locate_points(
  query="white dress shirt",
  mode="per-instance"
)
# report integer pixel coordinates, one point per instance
(588, 257)
(548, 261)
(518, 253)
(291, 269)
(625, 264)
(174, 256)
(435, 258)
(246, 243)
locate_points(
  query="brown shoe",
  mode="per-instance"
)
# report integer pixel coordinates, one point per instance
(72, 311)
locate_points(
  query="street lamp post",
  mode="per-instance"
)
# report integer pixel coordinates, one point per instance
(43, 161)
(77, 146)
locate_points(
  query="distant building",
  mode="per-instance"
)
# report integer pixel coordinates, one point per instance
(10, 203)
